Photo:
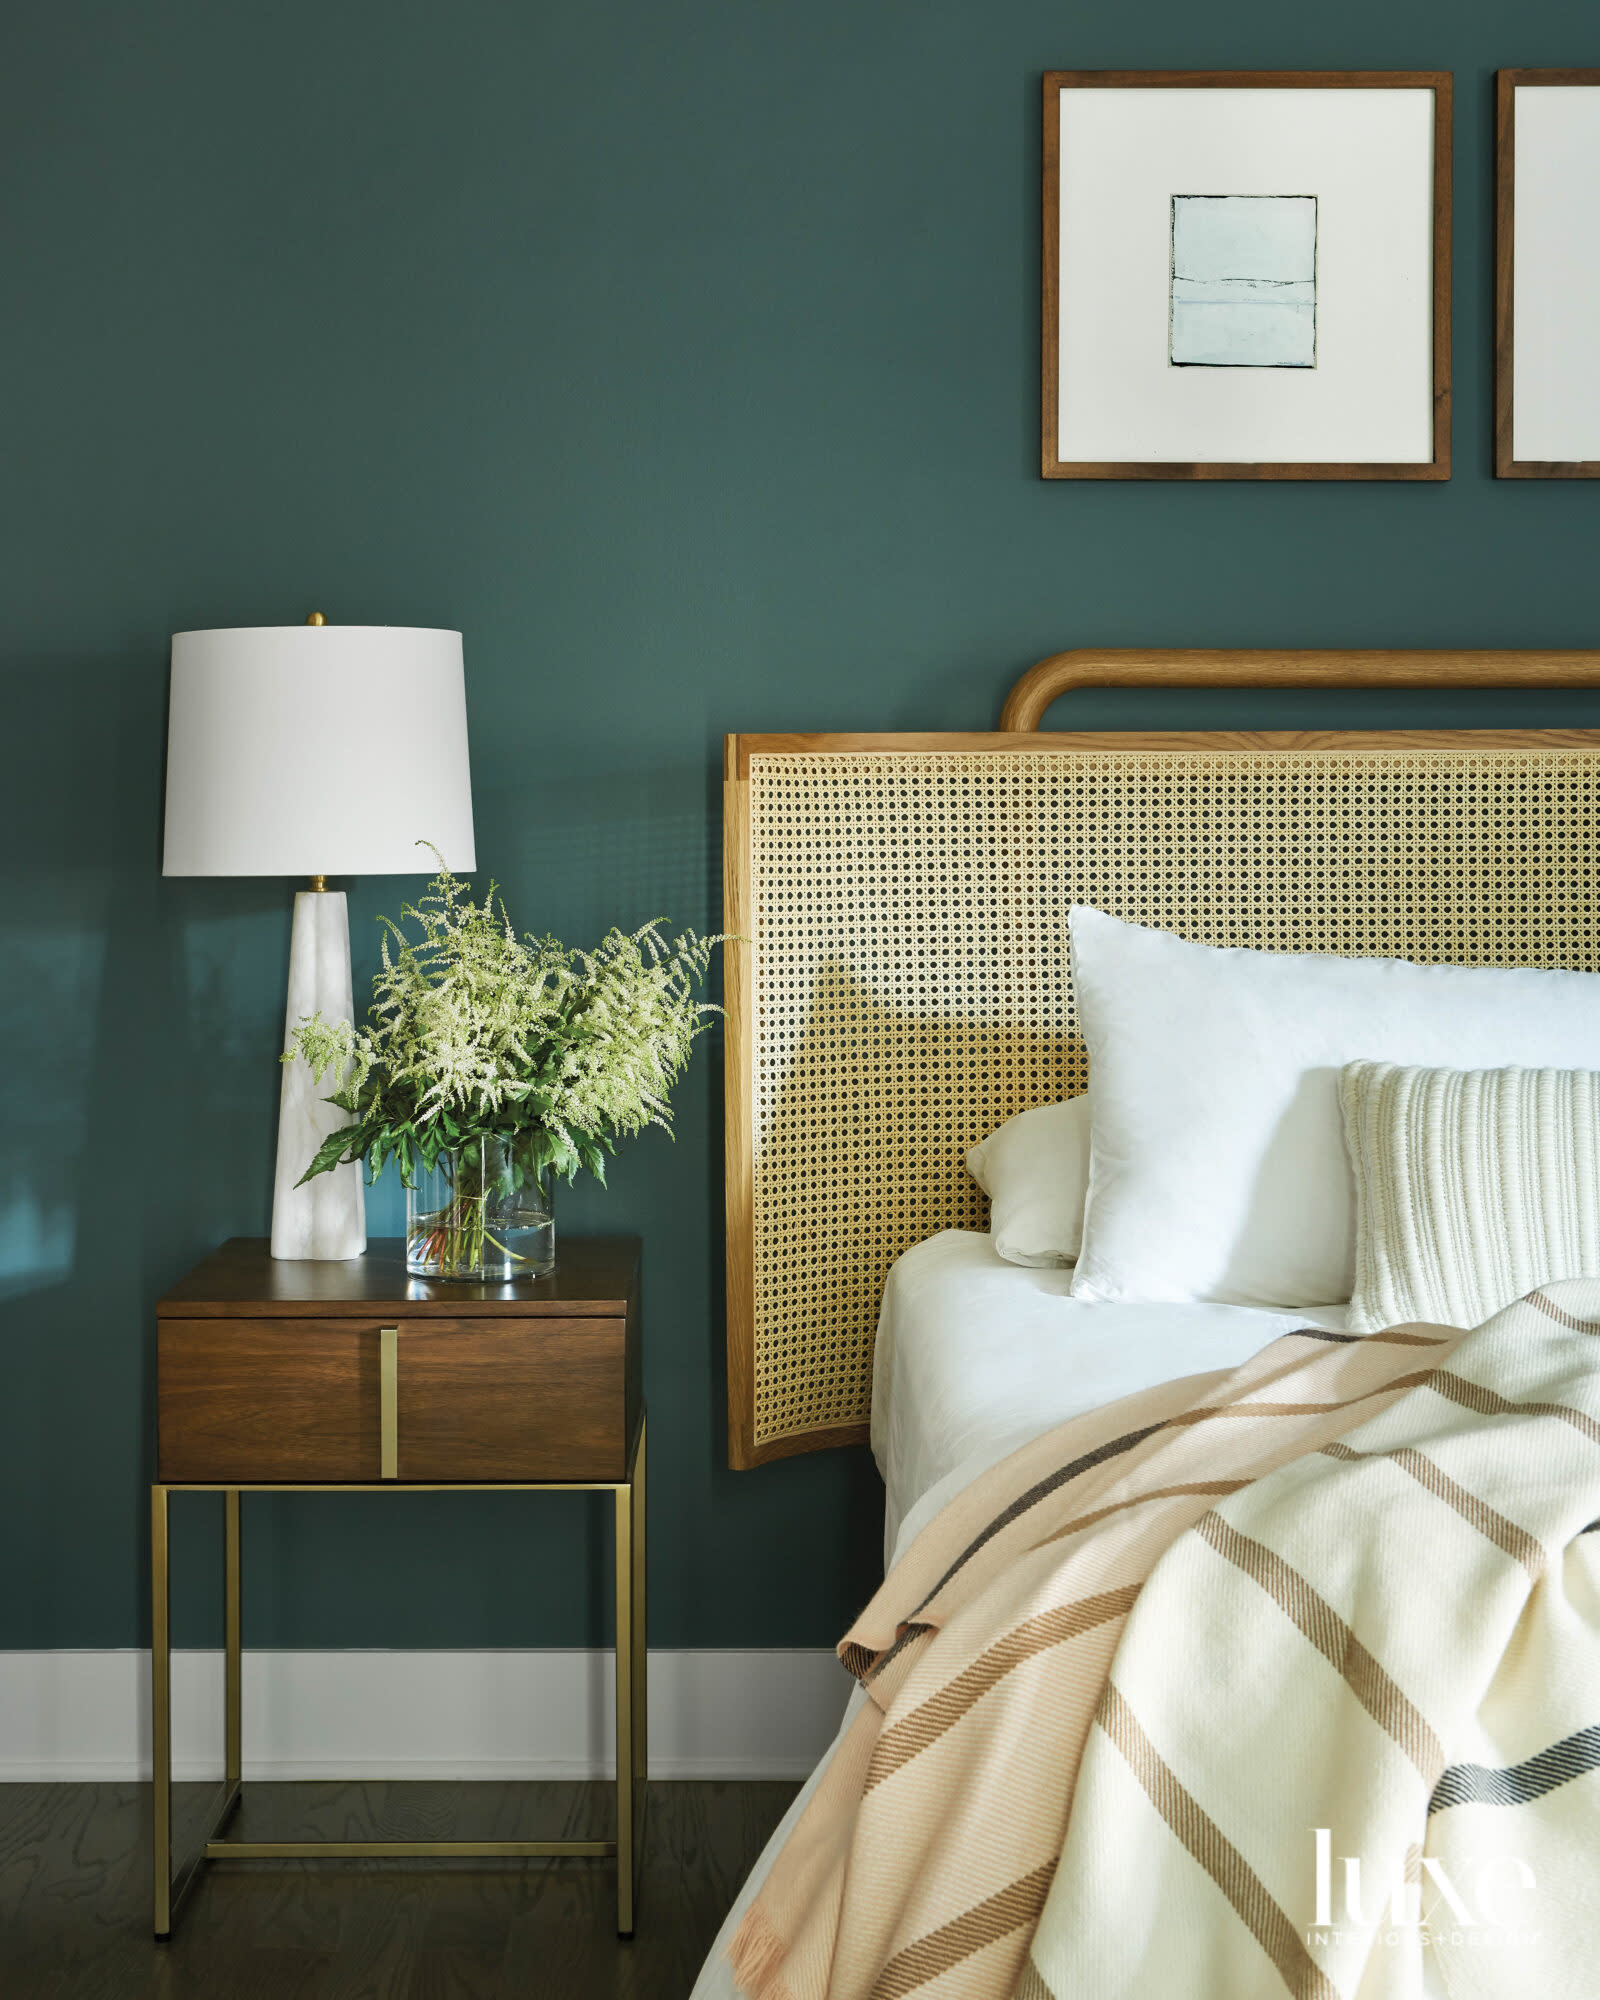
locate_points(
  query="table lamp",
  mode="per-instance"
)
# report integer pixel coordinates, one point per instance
(317, 750)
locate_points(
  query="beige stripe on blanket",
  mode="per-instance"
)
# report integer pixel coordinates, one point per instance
(1119, 1682)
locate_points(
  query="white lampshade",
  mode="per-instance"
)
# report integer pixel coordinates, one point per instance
(317, 750)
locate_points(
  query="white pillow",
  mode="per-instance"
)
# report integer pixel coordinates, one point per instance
(1218, 1162)
(1472, 1188)
(1035, 1171)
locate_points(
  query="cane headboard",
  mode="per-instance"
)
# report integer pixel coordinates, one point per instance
(900, 983)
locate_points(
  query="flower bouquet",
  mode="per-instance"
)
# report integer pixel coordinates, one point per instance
(493, 1064)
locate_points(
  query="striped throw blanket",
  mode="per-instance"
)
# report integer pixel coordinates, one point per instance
(1281, 1680)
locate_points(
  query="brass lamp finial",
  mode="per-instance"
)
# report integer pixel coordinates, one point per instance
(316, 618)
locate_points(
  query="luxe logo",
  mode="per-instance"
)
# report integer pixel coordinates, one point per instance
(1488, 1899)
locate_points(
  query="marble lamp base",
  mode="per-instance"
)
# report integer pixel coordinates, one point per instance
(327, 1218)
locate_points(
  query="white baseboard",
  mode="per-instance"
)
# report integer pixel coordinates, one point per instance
(488, 1714)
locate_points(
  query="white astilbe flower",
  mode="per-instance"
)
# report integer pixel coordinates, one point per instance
(474, 1030)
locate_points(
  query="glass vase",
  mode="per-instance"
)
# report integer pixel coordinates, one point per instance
(483, 1212)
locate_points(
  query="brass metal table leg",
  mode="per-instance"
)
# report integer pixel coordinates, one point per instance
(631, 1717)
(641, 1659)
(169, 1890)
(232, 1642)
(161, 1711)
(625, 1716)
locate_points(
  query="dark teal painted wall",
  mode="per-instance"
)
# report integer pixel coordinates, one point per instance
(685, 358)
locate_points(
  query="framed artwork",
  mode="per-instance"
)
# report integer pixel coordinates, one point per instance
(1246, 274)
(1546, 276)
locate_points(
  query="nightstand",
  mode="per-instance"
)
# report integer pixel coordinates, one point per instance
(353, 1377)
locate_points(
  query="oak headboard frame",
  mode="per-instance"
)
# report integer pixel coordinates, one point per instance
(898, 984)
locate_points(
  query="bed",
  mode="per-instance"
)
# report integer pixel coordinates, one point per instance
(902, 988)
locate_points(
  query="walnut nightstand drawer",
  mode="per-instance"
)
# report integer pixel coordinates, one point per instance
(330, 1373)
(241, 1401)
(248, 1401)
(503, 1400)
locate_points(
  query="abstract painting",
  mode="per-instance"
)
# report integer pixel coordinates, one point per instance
(1243, 281)
(1245, 274)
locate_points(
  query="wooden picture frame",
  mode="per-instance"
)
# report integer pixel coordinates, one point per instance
(1507, 463)
(1427, 345)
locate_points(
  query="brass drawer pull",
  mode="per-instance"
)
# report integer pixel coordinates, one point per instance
(389, 1402)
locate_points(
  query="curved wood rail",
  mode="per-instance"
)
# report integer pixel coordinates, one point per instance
(1088, 666)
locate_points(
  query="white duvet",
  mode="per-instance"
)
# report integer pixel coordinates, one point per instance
(975, 1356)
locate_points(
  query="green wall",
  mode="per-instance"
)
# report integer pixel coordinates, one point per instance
(686, 359)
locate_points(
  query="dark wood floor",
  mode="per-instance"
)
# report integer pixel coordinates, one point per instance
(75, 1895)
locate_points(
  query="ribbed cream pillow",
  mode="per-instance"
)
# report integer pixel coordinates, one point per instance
(1472, 1187)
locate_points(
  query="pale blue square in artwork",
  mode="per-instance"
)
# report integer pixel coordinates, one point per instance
(1244, 281)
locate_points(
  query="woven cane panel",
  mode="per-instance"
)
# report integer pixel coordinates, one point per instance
(912, 988)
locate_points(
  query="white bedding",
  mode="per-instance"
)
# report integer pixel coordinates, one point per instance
(975, 1356)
